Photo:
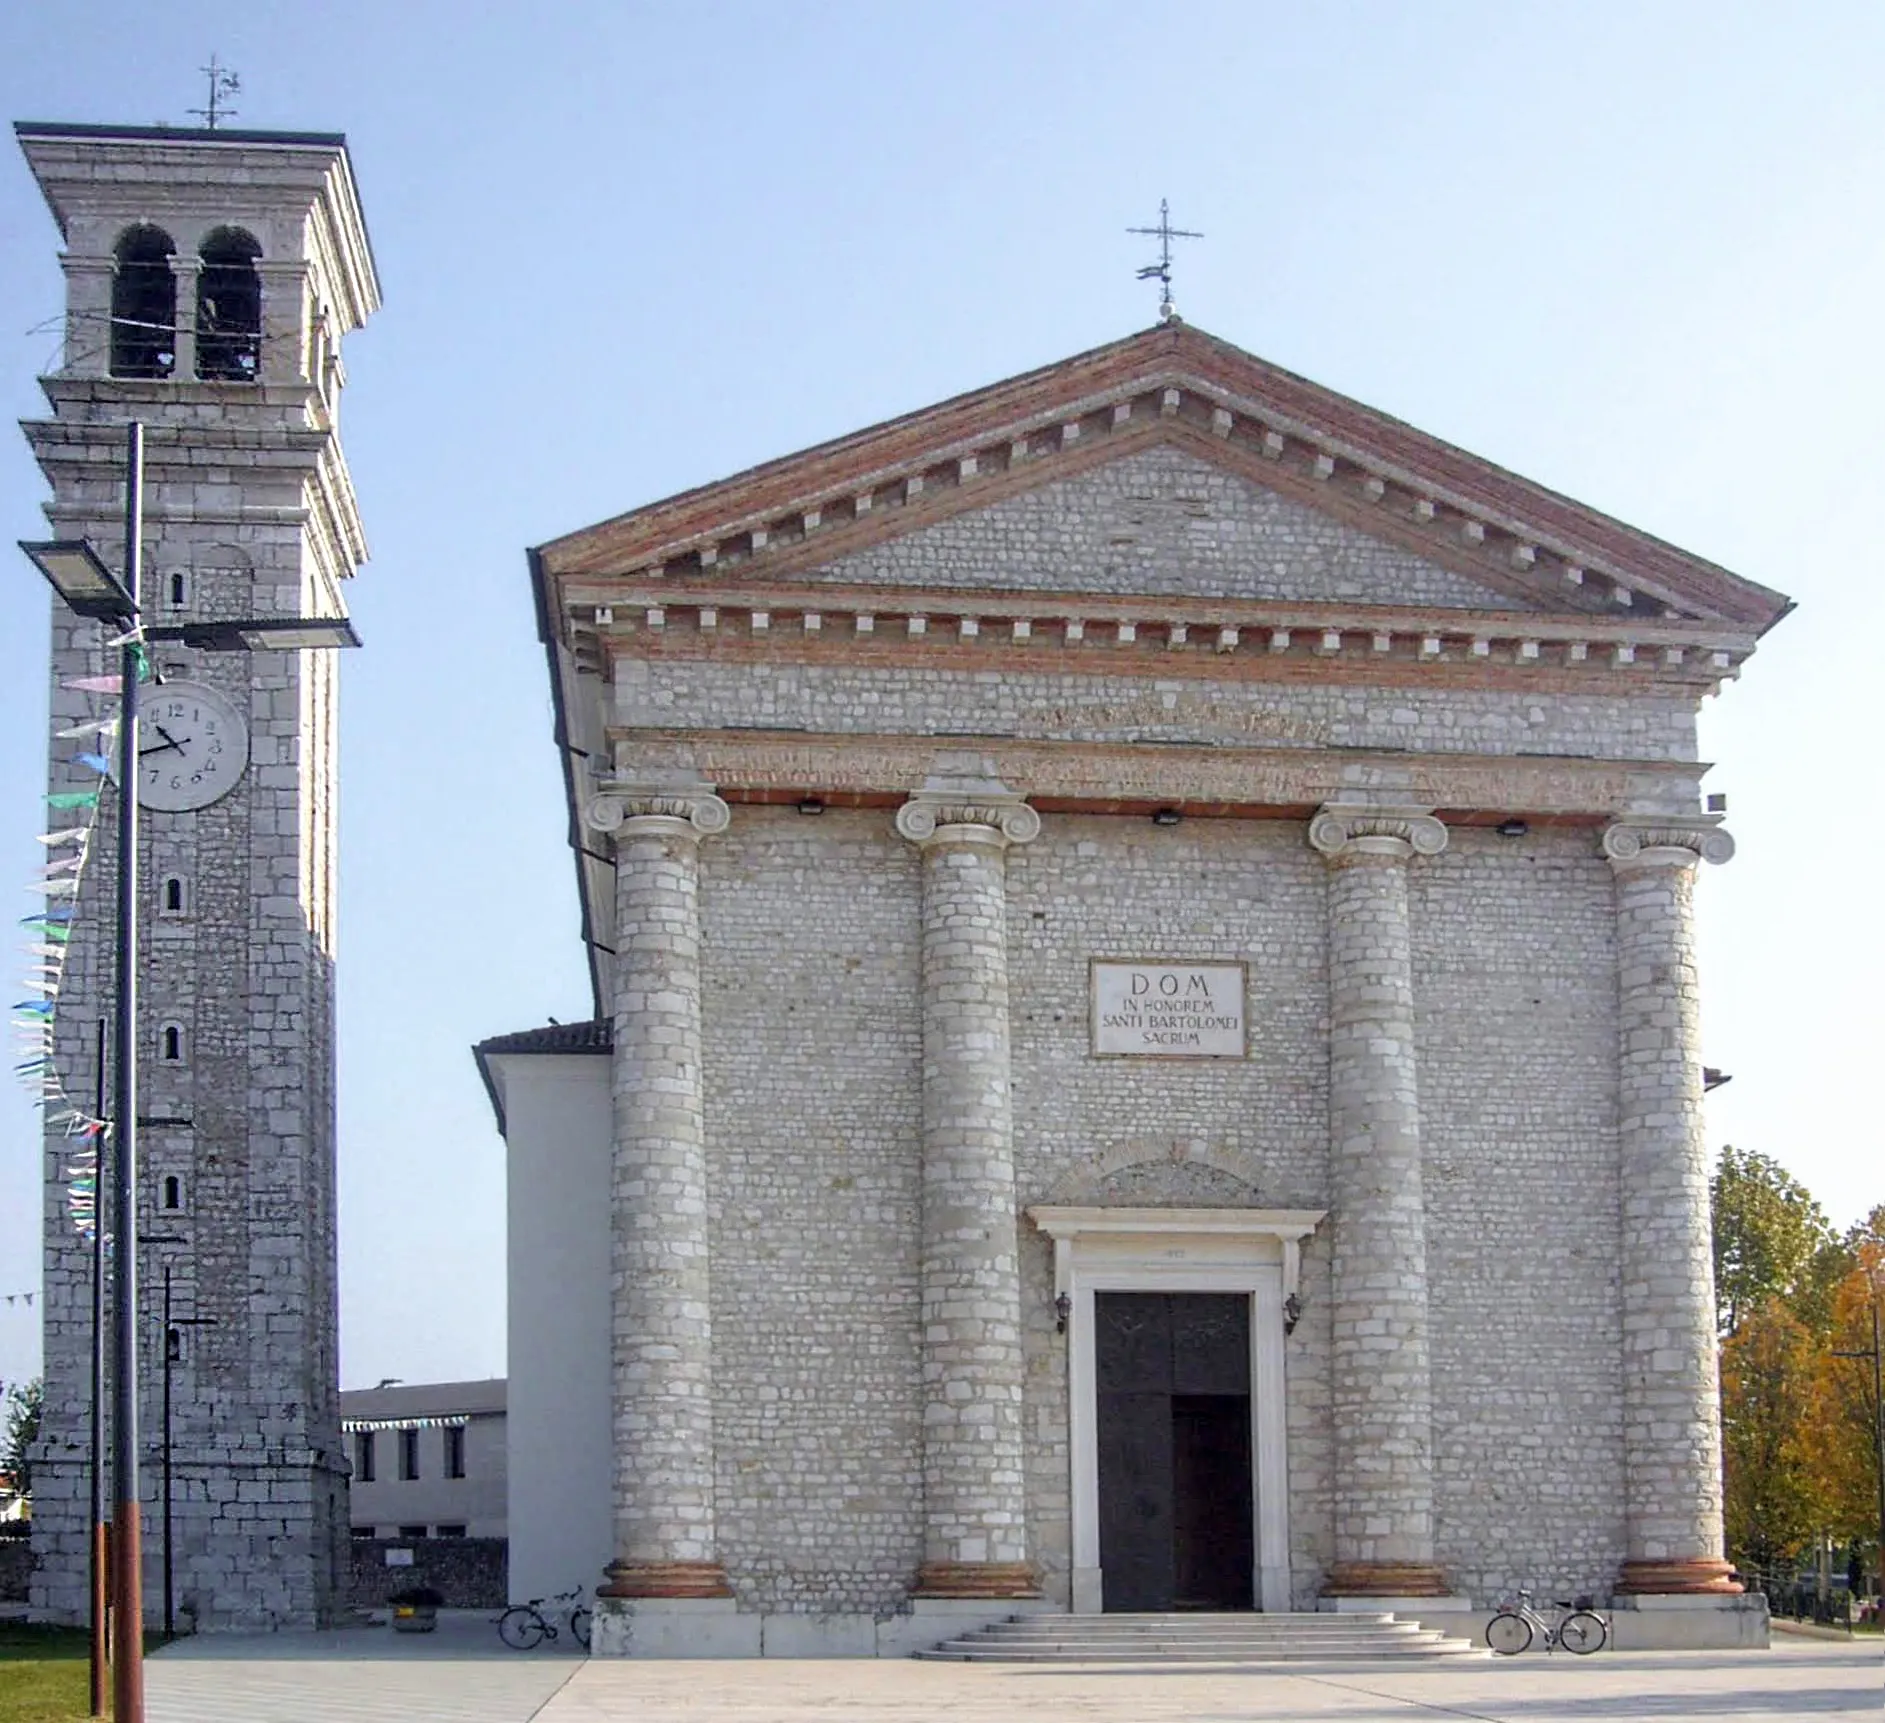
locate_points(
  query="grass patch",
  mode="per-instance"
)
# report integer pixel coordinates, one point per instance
(43, 1674)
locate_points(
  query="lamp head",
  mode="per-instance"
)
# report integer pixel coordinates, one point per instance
(75, 571)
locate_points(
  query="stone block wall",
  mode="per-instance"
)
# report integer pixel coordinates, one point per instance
(470, 1573)
(811, 1015)
(1514, 944)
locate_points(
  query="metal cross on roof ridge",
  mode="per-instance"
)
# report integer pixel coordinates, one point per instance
(1161, 272)
(222, 82)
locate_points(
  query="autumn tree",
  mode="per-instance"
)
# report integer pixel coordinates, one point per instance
(1769, 1236)
(1768, 1378)
(1844, 1414)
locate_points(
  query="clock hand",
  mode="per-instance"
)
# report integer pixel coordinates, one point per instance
(172, 740)
(164, 746)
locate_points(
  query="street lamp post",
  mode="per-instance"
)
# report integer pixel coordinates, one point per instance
(81, 578)
(99, 1657)
(171, 1329)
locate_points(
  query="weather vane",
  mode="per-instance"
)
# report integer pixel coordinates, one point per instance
(1161, 272)
(222, 82)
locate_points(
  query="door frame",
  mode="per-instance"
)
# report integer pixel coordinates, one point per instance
(1256, 1252)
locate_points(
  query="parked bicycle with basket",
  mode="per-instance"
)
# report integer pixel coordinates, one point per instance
(1576, 1626)
(524, 1625)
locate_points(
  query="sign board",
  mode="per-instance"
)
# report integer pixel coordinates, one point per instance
(1168, 1010)
(399, 1558)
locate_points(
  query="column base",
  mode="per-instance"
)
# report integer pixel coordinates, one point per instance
(1384, 1579)
(664, 1579)
(976, 1579)
(1699, 1578)
(674, 1627)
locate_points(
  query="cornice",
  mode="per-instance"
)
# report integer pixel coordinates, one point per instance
(1223, 639)
(1171, 385)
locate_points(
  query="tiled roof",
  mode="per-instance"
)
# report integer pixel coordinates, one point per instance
(590, 1037)
(1225, 372)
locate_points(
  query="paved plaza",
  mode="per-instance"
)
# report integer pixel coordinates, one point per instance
(462, 1675)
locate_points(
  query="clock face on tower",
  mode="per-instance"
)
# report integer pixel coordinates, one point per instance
(192, 747)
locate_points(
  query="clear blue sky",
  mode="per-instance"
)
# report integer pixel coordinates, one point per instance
(1633, 251)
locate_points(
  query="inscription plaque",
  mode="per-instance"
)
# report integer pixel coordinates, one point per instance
(1167, 1010)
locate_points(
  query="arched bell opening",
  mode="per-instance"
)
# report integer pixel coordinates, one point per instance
(143, 304)
(229, 308)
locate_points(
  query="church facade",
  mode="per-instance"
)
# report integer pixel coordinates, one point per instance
(1146, 1033)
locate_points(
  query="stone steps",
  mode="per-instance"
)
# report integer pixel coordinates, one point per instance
(1198, 1639)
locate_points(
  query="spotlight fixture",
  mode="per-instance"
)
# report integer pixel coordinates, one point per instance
(1512, 828)
(811, 805)
(1063, 1308)
(1167, 817)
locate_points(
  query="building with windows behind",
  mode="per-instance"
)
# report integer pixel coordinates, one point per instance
(428, 1459)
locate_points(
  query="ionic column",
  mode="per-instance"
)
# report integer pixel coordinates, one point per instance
(663, 1338)
(974, 1495)
(1380, 1381)
(1671, 1408)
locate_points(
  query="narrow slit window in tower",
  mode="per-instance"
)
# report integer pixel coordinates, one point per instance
(170, 1043)
(143, 305)
(173, 1191)
(177, 589)
(173, 898)
(229, 309)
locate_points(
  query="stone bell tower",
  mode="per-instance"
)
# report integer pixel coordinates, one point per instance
(210, 279)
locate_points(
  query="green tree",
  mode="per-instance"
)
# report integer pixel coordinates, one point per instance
(20, 1431)
(1769, 1377)
(1768, 1231)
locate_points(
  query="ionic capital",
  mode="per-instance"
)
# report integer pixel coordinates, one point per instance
(1343, 832)
(1655, 840)
(937, 817)
(625, 812)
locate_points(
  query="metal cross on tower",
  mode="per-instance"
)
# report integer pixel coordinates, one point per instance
(222, 82)
(1161, 272)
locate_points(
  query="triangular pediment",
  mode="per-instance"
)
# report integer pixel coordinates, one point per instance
(1167, 464)
(1164, 521)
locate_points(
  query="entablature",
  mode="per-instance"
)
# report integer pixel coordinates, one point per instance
(761, 766)
(1228, 638)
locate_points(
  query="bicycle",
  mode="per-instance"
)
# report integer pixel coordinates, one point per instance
(1577, 1627)
(524, 1625)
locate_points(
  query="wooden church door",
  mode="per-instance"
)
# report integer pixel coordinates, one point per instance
(1173, 1392)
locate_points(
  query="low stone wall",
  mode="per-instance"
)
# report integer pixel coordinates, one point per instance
(16, 1562)
(469, 1573)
